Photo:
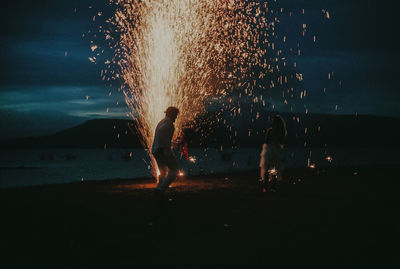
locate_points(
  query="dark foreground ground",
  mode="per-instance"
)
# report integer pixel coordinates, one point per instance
(323, 218)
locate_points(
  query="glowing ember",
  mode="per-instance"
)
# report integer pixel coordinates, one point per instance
(192, 159)
(181, 174)
(93, 47)
(328, 158)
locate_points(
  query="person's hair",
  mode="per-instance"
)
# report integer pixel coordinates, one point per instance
(279, 124)
(171, 112)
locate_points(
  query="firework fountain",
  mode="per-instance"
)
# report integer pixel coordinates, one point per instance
(181, 53)
(185, 53)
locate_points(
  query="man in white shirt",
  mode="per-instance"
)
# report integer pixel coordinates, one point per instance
(162, 151)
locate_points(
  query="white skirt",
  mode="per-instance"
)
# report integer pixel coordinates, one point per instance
(271, 157)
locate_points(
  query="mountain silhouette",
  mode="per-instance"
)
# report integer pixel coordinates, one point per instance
(312, 130)
(99, 133)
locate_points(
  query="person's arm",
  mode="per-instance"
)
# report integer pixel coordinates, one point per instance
(169, 133)
(185, 151)
(282, 137)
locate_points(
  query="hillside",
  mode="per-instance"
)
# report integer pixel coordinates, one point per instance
(310, 130)
(110, 133)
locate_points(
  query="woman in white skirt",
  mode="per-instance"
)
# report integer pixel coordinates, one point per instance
(273, 154)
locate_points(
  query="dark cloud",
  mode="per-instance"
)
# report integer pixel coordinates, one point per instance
(45, 109)
(41, 43)
(58, 98)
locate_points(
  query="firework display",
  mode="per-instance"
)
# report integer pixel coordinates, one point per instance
(224, 57)
(185, 53)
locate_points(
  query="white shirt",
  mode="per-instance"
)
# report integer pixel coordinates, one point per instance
(163, 135)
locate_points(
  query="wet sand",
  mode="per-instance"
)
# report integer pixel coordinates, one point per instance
(319, 218)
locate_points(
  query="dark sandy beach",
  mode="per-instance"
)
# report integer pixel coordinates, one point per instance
(322, 218)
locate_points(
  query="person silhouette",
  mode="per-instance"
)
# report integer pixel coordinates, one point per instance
(184, 159)
(186, 136)
(162, 151)
(272, 154)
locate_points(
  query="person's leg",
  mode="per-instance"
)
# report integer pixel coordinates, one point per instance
(172, 173)
(281, 164)
(265, 181)
(273, 182)
(163, 169)
(267, 177)
(186, 167)
(279, 174)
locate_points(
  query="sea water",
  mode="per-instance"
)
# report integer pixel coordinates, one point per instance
(29, 167)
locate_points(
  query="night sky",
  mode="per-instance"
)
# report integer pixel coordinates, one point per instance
(46, 75)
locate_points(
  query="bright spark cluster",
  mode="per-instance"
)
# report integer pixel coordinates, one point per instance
(184, 53)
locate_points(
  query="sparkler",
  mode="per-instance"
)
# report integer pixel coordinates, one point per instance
(273, 171)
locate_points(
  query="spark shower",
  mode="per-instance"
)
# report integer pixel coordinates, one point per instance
(184, 53)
